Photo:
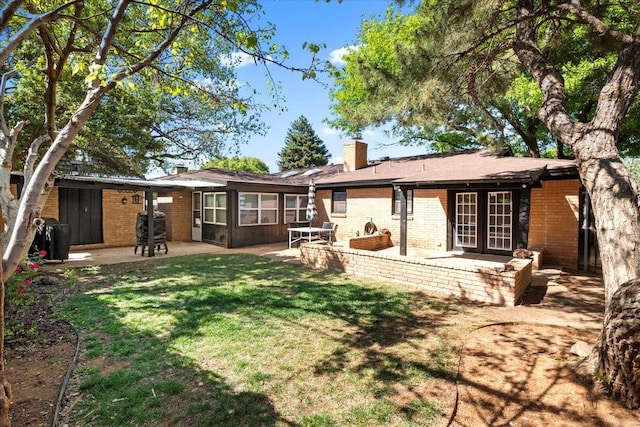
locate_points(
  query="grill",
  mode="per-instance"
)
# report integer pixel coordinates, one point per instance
(54, 238)
(159, 232)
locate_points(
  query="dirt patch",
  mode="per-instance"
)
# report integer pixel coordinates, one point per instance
(38, 356)
(517, 374)
(524, 375)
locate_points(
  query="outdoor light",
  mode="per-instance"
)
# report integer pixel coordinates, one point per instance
(124, 200)
(135, 199)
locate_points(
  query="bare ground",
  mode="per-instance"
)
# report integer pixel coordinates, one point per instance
(515, 368)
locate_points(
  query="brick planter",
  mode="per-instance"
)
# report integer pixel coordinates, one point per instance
(487, 282)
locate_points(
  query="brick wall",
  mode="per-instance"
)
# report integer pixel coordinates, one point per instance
(373, 242)
(51, 207)
(554, 221)
(178, 215)
(118, 219)
(499, 286)
(426, 227)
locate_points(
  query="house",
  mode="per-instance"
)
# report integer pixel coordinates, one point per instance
(473, 201)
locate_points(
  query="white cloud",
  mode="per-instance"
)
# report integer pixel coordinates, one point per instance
(329, 132)
(335, 57)
(238, 60)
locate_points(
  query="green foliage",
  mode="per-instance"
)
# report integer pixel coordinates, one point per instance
(447, 67)
(184, 105)
(303, 148)
(245, 163)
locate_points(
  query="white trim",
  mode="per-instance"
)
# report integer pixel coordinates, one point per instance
(502, 229)
(213, 208)
(299, 209)
(258, 210)
(469, 220)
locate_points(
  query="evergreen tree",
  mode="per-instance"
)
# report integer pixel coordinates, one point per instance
(303, 148)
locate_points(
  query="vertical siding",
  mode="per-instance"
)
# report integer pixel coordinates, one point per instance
(554, 221)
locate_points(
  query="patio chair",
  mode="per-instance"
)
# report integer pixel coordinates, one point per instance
(328, 232)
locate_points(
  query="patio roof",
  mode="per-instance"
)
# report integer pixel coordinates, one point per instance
(133, 183)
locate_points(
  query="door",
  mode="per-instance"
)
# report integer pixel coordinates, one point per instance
(81, 208)
(196, 216)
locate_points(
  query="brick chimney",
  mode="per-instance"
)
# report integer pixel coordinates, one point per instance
(178, 169)
(355, 155)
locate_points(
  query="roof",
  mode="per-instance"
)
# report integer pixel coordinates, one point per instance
(299, 177)
(134, 183)
(467, 167)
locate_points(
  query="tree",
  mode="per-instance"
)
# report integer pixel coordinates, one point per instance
(384, 82)
(79, 59)
(476, 38)
(303, 148)
(245, 163)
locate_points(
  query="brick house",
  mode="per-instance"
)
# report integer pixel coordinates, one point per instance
(471, 201)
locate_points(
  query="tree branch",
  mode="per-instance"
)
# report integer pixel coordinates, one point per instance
(553, 110)
(29, 27)
(603, 29)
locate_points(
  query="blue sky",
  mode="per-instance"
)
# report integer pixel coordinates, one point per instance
(299, 21)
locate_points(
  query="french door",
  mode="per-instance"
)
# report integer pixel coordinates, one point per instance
(483, 221)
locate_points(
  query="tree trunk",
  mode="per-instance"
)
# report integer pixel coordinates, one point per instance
(618, 363)
(5, 388)
(615, 198)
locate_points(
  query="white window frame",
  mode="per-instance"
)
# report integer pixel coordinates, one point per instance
(502, 221)
(258, 209)
(213, 208)
(300, 211)
(397, 202)
(466, 218)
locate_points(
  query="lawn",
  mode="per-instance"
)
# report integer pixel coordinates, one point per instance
(241, 340)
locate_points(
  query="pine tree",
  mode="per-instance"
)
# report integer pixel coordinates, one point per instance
(303, 148)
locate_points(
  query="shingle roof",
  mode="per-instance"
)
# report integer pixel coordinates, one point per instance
(479, 166)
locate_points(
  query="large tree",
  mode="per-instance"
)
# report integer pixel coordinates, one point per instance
(110, 61)
(476, 39)
(303, 148)
(245, 163)
(384, 81)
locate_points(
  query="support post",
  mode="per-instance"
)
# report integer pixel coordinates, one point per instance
(403, 221)
(150, 224)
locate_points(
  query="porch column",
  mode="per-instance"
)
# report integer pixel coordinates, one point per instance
(403, 221)
(523, 218)
(150, 223)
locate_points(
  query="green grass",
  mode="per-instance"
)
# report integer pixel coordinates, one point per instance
(240, 340)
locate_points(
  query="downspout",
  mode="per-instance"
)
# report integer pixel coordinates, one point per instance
(403, 221)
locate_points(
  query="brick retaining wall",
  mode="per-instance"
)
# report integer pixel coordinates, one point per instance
(503, 284)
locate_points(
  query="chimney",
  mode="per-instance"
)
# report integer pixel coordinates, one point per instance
(355, 155)
(177, 170)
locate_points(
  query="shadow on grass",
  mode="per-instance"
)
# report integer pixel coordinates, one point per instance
(165, 387)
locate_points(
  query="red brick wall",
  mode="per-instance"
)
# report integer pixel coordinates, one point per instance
(472, 282)
(554, 221)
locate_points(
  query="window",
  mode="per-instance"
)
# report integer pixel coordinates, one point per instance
(295, 208)
(258, 209)
(466, 220)
(339, 201)
(499, 220)
(397, 198)
(215, 208)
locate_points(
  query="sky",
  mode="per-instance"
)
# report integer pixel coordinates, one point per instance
(298, 21)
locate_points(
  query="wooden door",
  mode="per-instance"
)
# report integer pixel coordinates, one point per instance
(81, 208)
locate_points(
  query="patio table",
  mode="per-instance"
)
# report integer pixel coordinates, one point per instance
(297, 234)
